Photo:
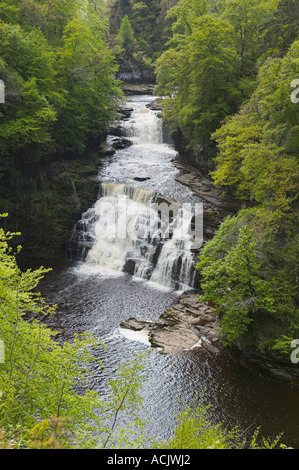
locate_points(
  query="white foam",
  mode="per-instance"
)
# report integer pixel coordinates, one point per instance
(138, 336)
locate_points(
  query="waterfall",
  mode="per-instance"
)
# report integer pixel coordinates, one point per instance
(128, 231)
(122, 217)
(144, 128)
(124, 232)
(176, 263)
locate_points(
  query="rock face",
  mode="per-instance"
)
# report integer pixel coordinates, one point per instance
(217, 204)
(186, 325)
(65, 188)
(136, 89)
(141, 178)
(132, 70)
(273, 365)
(204, 188)
(201, 158)
(118, 142)
(114, 143)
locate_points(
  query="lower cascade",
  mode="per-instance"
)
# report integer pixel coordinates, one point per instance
(125, 231)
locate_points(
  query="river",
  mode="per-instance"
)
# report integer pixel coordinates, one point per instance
(95, 294)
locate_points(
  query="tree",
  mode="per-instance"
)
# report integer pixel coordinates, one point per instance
(186, 14)
(85, 68)
(264, 317)
(39, 403)
(208, 80)
(248, 17)
(257, 146)
(199, 78)
(234, 284)
(28, 118)
(126, 35)
(66, 92)
(281, 29)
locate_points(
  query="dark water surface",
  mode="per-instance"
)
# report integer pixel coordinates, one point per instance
(90, 300)
(238, 395)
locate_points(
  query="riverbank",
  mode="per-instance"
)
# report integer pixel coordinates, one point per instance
(192, 324)
(47, 204)
(175, 329)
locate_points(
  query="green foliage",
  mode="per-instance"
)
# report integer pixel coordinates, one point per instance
(226, 74)
(27, 68)
(257, 160)
(148, 20)
(39, 401)
(85, 70)
(198, 76)
(124, 395)
(248, 18)
(126, 35)
(186, 14)
(252, 280)
(148, 26)
(195, 431)
(60, 96)
(59, 75)
(257, 147)
(234, 284)
(209, 69)
(281, 30)
(39, 405)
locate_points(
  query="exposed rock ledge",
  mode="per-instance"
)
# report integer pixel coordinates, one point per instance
(138, 89)
(186, 325)
(205, 189)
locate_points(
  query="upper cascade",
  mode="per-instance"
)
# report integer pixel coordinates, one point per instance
(144, 127)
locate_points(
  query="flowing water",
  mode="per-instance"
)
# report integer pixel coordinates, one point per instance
(125, 261)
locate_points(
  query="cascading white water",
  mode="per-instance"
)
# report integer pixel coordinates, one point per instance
(122, 228)
(144, 128)
(124, 231)
(176, 262)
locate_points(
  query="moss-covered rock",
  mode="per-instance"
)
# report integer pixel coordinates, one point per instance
(45, 205)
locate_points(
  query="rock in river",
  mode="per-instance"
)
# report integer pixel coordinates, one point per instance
(186, 325)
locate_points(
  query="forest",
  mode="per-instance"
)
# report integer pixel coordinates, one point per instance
(226, 74)
(237, 98)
